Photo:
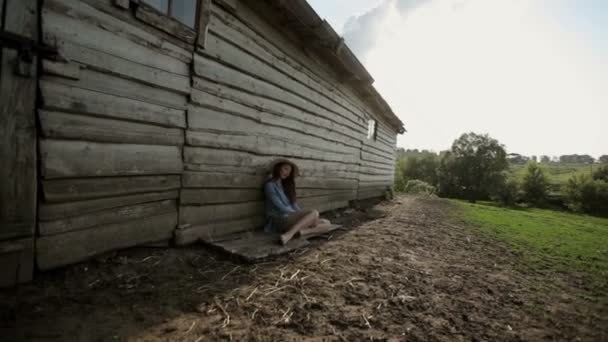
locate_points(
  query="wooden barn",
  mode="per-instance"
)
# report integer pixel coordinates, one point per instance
(129, 122)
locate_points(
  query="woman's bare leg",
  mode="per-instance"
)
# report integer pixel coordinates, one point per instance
(323, 226)
(306, 221)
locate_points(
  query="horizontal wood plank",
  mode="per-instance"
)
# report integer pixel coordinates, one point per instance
(195, 215)
(105, 217)
(213, 231)
(59, 125)
(48, 212)
(51, 251)
(56, 96)
(81, 189)
(67, 158)
(106, 83)
(133, 70)
(81, 24)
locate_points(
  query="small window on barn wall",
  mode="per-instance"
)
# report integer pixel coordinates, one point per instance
(372, 129)
(182, 10)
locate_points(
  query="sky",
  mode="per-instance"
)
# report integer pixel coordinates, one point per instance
(531, 73)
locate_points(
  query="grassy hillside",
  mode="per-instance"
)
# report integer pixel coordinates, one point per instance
(551, 239)
(558, 173)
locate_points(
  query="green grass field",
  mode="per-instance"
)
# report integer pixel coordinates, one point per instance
(558, 173)
(546, 238)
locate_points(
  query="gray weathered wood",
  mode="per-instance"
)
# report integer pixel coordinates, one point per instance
(108, 216)
(254, 32)
(271, 112)
(59, 125)
(57, 96)
(204, 17)
(172, 26)
(217, 196)
(254, 164)
(220, 180)
(65, 159)
(215, 231)
(48, 212)
(2, 13)
(230, 195)
(230, 5)
(261, 67)
(51, 251)
(104, 14)
(195, 215)
(16, 261)
(267, 145)
(18, 128)
(212, 70)
(103, 82)
(81, 24)
(255, 37)
(63, 69)
(133, 70)
(256, 246)
(124, 4)
(63, 190)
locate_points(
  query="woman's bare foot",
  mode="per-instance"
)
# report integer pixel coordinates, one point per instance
(285, 238)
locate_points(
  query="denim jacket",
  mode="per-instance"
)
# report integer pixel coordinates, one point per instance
(276, 204)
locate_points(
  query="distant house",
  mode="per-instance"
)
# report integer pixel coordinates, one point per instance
(132, 122)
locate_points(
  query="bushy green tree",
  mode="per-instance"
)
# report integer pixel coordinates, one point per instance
(586, 195)
(473, 167)
(601, 174)
(535, 185)
(421, 166)
(507, 193)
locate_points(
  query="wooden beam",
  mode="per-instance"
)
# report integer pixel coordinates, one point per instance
(18, 127)
(16, 261)
(51, 251)
(124, 4)
(48, 212)
(105, 217)
(65, 159)
(204, 16)
(60, 97)
(165, 23)
(59, 125)
(81, 189)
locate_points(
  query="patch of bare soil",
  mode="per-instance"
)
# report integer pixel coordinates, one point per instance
(402, 270)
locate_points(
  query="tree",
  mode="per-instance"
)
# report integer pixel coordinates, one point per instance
(603, 158)
(416, 167)
(473, 167)
(601, 174)
(545, 159)
(535, 185)
(587, 195)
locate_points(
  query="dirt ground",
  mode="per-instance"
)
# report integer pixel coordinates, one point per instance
(402, 270)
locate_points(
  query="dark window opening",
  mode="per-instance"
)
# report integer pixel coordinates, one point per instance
(182, 10)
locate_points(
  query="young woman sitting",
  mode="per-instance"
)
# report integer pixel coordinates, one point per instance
(283, 214)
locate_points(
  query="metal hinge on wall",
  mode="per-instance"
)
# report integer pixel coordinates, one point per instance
(26, 49)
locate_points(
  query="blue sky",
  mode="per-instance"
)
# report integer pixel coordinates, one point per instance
(531, 73)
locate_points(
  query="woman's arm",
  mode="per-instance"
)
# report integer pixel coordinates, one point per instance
(271, 192)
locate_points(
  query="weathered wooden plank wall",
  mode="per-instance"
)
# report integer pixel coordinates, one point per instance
(112, 126)
(17, 146)
(146, 127)
(257, 95)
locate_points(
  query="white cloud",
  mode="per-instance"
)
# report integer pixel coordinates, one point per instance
(501, 67)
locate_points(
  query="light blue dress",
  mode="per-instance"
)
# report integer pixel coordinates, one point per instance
(277, 204)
